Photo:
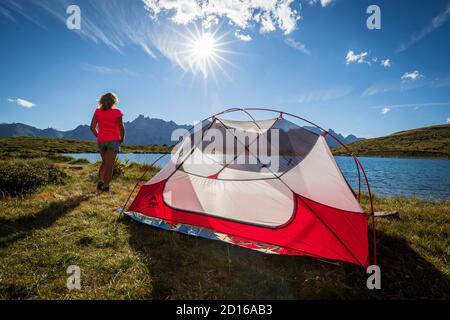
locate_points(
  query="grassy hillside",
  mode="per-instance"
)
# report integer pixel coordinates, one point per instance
(62, 225)
(423, 142)
(32, 147)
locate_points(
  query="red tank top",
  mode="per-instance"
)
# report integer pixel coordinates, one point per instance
(108, 126)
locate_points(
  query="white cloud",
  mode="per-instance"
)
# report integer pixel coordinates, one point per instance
(5, 12)
(242, 37)
(405, 85)
(12, 8)
(448, 120)
(107, 70)
(267, 24)
(359, 58)
(364, 58)
(411, 76)
(113, 23)
(210, 21)
(385, 110)
(22, 103)
(386, 63)
(286, 17)
(321, 95)
(323, 3)
(415, 106)
(297, 46)
(435, 23)
(271, 14)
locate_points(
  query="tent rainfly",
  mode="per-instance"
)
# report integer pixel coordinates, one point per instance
(301, 206)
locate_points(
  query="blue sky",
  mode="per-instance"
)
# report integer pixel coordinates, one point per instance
(314, 58)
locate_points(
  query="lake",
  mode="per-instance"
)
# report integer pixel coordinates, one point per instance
(424, 178)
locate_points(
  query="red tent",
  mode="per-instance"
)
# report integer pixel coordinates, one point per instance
(301, 206)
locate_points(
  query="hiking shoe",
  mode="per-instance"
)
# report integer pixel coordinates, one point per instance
(104, 188)
(99, 185)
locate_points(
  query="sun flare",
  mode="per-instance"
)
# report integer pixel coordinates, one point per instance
(204, 51)
(204, 47)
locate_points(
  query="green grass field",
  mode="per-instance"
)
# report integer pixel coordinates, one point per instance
(35, 147)
(61, 225)
(429, 142)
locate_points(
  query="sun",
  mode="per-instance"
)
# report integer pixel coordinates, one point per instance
(204, 51)
(205, 46)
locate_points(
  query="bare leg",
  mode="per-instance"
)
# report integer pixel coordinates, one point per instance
(110, 157)
(102, 167)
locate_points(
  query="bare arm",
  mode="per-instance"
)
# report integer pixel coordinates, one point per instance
(122, 129)
(94, 126)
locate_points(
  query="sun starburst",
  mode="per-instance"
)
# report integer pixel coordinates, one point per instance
(204, 51)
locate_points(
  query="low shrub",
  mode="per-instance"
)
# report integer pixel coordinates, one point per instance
(22, 177)
(120, 167)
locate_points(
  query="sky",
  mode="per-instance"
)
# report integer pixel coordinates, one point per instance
(184, 60)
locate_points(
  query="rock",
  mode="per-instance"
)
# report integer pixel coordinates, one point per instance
(387, 214)
(75, 167)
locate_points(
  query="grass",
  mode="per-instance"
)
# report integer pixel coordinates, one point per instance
(62, 225)
(429, 142)
(36, 147)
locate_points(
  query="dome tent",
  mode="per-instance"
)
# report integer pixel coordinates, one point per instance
(301, 206)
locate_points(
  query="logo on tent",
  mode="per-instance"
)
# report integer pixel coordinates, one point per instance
(153, 203)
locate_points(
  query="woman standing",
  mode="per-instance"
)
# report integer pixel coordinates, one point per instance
(107, 126)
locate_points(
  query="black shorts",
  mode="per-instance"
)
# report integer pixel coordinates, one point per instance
(109, 145)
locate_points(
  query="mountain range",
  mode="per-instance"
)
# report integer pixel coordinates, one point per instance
(142, 130)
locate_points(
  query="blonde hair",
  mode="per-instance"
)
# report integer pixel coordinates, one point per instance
(108, 100)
